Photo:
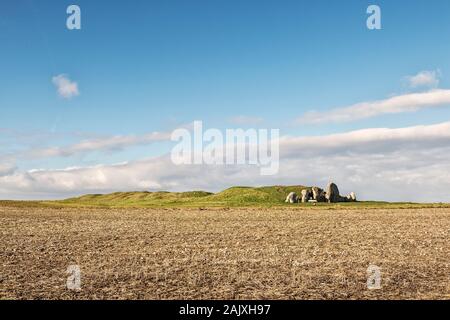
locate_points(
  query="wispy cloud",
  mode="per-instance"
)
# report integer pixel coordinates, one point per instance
(113, 143)
(424, 79)
(7, 169)
(404, 164)
(398, 104)
(66, 88)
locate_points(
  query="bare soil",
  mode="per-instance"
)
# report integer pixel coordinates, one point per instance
(224, 253)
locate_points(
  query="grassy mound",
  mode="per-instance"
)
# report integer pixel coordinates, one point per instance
(235, 196)
(271, 196)
(247, 195)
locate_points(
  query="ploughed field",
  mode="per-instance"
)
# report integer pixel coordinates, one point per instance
(234, 253)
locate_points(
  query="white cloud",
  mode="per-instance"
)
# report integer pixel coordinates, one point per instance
(424, 79)
(398, 104)
(66, 88)
(101, 144)
(375, 141)
(405, 164)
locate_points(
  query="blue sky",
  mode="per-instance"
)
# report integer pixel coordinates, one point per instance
(146, 66)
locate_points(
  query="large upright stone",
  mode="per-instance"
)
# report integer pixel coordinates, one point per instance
(332, 194)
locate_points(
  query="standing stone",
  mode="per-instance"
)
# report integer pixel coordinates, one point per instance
(318, 194)
(332, 193)
(352, 197)
(306, 195)
(292, 198)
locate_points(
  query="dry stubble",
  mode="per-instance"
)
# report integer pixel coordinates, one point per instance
(224, 253)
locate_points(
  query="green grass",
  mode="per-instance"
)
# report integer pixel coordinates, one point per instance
(236, 196)
(272, 196)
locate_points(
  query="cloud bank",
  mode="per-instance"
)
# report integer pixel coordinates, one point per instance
(404, 164)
